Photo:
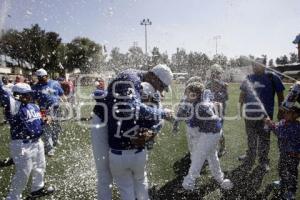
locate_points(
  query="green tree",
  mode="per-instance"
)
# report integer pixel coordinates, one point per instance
(293, 58)
(283, 60)
(84, 54)
(220, 59)
(179, 60)
(33, 45)
(135, 57)
(11, 44)
(271, 63)
(118, 61)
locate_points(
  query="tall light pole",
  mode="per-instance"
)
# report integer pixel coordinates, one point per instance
(217, 37)
(146, 22)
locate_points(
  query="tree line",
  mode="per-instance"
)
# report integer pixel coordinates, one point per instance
(45, 49)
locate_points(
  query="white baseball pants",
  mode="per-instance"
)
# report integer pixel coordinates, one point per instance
(129, 173)
(99, 136)
(29, 159)
(204, 147)
(189, 138)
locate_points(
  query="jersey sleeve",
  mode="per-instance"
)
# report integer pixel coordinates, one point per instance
(58, 88)
(9, 103)
(146, 112)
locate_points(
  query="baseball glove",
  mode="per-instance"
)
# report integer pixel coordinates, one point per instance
(144, 135)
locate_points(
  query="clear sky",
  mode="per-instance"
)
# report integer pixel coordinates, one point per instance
(246, 26)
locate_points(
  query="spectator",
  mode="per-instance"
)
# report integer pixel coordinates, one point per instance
(257, 100)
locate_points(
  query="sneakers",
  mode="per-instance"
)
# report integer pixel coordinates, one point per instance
(226, 184)
(222, 153)
(57, 143)
(50, 153)
(6, 162)
(276, 185)
(41, 192)
(242, 157)
(188, 183)
(265, 167)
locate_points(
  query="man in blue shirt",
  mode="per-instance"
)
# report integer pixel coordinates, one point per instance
(48, 93)
(257, 102)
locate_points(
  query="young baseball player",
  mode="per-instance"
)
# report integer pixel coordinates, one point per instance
(219, 92)
(205, 132)
(288, 133)
(151, 98)
(26, 147)
(48, 93)
(184, 111)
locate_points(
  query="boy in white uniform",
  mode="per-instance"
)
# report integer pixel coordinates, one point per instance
(205, 132)
(26, 147)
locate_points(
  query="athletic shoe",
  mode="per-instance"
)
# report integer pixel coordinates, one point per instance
(57, 143)
(188, 183)
(42, 192)
(265, 167)
(6, 162)
(276, 185)
(226, 184)
(50, 153)
(222, 153)
(242, 157)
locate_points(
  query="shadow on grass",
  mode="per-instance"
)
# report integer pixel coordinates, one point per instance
(173, 189)
(246, 184)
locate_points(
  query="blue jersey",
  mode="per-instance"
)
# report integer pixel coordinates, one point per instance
(24, 119)
(47, 94)
(261, 88)
(125, 108)
(288, 134)
(205, 118)
(219, 90)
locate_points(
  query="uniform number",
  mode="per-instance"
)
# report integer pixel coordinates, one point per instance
(126, 134)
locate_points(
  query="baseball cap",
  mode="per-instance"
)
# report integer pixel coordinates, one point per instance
(259, 62)
(41, 72)
(21, 88)
(164, 73)
(216, 68)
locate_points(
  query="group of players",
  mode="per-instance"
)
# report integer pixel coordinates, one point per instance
(126, 118)
(129, 114)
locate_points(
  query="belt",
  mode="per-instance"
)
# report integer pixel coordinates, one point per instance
(120, 152)
(30, 140)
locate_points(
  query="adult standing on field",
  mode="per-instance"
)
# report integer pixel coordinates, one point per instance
(117, 136)
(48, 93)
(257, 100)
(219, 91)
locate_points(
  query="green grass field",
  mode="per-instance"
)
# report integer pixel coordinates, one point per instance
(72, 170)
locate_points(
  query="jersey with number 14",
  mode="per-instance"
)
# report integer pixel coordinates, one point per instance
(125, 109)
